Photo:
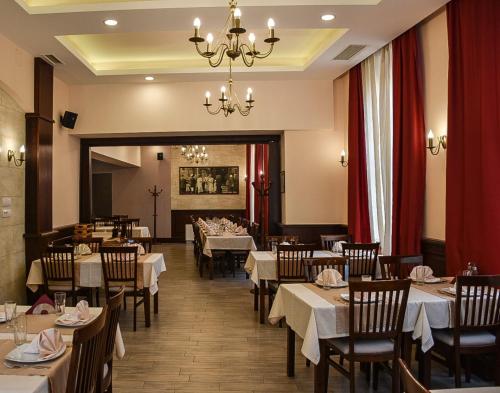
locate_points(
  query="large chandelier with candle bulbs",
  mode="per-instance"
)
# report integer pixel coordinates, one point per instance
(230, 42)
(194, 154)
(229, 101)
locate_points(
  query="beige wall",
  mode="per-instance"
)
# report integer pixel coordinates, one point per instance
(177, 107)
(434, 39)
(119, 155)
(130, 189)
(315, 182)
(12, 135)
(65, 164)
(223, 155)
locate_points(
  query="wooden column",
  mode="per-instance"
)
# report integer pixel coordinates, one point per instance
(38, 179)
(275, 191)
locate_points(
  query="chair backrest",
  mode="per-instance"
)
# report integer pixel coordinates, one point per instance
(314, 266)
(94, 243)
(410, 383)
(477, 305)
(327, 241)
(119, 265)
(398, 266)
(58, 265)
(290, 261)
(270, 240)
(197, 235)
(86, 356)
(112, 317)
(146, 242)
(377, 309)
(362, 258)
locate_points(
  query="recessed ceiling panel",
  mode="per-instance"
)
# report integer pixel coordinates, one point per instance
(170, 52)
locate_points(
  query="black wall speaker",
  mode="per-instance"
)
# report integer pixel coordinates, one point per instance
(159, 156)
(69, 119)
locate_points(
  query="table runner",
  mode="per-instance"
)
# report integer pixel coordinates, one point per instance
(57, 373)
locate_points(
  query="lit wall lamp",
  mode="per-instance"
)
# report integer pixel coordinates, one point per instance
(343, 161)
(11, 155)
(442, 142)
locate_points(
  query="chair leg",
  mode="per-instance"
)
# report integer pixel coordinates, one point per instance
(308, 363)
(97, 302)
(352, 387)
(458, 370)
(147, 306)
(135, 312)
(255, 297)
(376, 368)
(468, 369)
(395, 375)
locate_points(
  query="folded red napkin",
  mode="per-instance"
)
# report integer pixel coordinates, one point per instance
(44, 305)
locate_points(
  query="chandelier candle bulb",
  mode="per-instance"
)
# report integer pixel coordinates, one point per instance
(207, 98)
(430, 139)
(197, 25)
(237, 18)
(271, 25)
(22, 152)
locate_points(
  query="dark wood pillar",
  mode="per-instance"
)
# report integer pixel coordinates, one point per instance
(275, 191)
(38, 180)
(85, 182)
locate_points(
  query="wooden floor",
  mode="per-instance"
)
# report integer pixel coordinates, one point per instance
(207, 338)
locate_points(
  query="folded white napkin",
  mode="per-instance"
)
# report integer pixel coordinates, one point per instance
(46, 343)
(81, 313)
(422, 271)
(329, 277)
(284, 244)
(83, 249)
(241, 231)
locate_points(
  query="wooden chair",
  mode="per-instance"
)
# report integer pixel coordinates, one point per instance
(94, 243)
(58, 268)
(398, 266)
(119, 266)
(476, 326)
(328, 241)
(410, 383)
(86, 356)
(103, 221)
(126, 228)
(289, 266)
(105, 381)
(314, 266)
(270, 240)
(375, 328)
(146, 242)
(362, 258)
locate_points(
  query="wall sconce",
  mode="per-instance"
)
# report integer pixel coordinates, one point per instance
(343, 161)
(442, 142)
(11, 155)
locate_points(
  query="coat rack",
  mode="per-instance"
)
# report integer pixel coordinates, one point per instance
(262, 190)
(155, 194)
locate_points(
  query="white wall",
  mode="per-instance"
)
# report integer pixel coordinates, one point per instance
(119, 155)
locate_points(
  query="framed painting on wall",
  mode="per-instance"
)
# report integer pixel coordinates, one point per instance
(209, 180)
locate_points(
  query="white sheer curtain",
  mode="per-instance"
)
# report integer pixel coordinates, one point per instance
(377, 96)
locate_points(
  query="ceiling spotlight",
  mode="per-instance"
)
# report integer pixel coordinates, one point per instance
(110, 22)
(150, 78)
(328, 17)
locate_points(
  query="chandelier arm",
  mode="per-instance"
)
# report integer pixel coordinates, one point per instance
(214, 112)
(202, 54)
(243, 51)
(242, 112)
(223, 49)
(264, 55)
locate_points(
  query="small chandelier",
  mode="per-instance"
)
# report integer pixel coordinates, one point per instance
(229, 101)
(232, 45)
(196, 154)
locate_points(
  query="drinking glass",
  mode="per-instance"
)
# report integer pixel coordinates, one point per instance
(20, 329)
(274, 248)
(60, 302)
(420, 276)
(10, 311)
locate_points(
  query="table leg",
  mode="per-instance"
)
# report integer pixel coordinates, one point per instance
(262, 297)
(255, 297)
(211, 268)
(290, 352)
(321, 369)
(147, 306)
(156, 301)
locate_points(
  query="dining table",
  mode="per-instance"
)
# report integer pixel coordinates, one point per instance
(106, 232)
(88, 274)
(46, 377)
(316, 314)
(261, 267)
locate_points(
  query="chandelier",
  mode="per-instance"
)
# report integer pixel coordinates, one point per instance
(229, 101)
(229, 42)
(194, 153)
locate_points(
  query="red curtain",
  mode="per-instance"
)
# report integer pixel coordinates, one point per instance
(261, 164)
(358, 216)
(473, 154)
(247, 181)
(408, 146)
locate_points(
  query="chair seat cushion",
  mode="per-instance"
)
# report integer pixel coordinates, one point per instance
(128, 289)
(362, 347)
(62, 287)
(467, 339)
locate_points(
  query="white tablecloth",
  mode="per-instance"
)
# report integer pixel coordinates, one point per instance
(314, 318)
(106, 231)
(261, 265)
(226, 242)
(91, 272)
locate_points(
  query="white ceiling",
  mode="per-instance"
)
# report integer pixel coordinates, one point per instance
(35, 29)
